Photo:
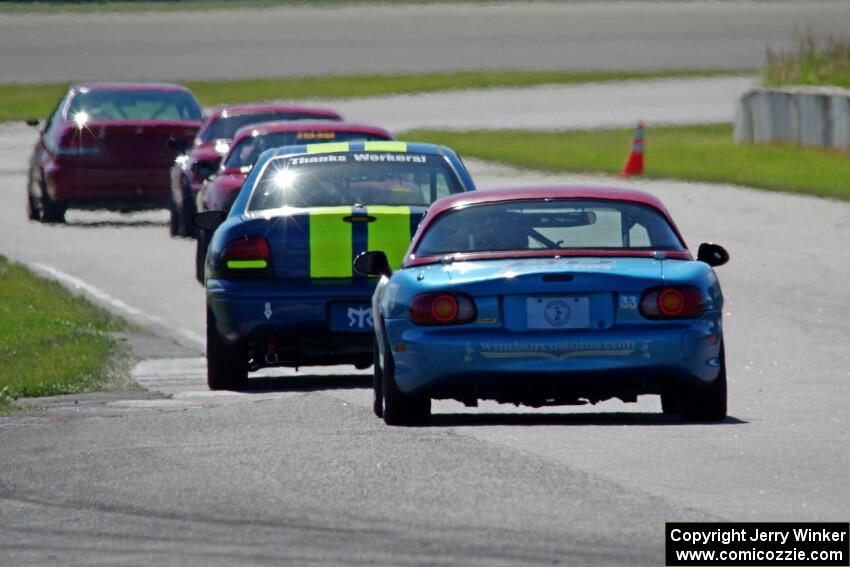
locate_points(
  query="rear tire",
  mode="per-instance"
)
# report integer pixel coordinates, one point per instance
(33, 212)
(227, 364)
(670, 402)
(399, 408)
(51, 211)
(706, 402)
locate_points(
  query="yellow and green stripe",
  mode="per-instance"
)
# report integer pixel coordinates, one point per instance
(330, 243)
(390, 232)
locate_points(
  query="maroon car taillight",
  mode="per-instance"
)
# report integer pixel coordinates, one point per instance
(672, 302)
(78, 143)
(248, 255)
(442, 309)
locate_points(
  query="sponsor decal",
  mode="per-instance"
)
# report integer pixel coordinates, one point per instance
(305, 160)
(360, 318)
(557, 313)
(315, 136)
(268, 310)
(469, 353)
(360, 218)
(395, 158)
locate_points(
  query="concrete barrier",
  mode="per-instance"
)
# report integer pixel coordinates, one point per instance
(805, 116)
(839, 112)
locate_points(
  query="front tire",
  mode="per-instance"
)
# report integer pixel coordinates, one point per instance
(377, 383)
(186, 210)
(227, 364)
(398, 407)
(51, 211)
(201, 255)
(173, 220)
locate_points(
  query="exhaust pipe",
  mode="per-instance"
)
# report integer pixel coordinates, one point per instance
(271, 358)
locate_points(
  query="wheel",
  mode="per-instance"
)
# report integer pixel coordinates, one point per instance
(33, 212)
(174, 220)
(201, 255)
(51, 211)
(670, 402)
(186, 210)
(706, 402)
(377, 383)
(399, 408)
(227, 365)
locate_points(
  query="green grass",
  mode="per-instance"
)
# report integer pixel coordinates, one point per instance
(51, 342)
(693, 153)
(21, 101)
(815, 61)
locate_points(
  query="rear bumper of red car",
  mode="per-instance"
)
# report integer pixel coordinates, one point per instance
(119, 188)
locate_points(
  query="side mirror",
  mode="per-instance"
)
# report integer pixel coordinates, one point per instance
(208, 220)
(712, 254)
(178, 144)
(373, 264)
(34, 122)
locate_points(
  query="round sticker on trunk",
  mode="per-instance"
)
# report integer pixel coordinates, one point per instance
(557, 313)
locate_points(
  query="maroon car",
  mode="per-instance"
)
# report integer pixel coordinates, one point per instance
(106, 146)
(218, 193)
(213, 142)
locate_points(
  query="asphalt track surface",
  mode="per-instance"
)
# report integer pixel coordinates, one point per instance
(375, 38)
(301, 472)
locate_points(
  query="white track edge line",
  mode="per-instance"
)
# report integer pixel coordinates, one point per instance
(114, 303)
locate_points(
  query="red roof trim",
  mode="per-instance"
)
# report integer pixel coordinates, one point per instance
(555, 193)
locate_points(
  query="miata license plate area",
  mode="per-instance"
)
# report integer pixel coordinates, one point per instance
(557, 312)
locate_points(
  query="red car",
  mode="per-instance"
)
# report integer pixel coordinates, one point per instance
(213, 141)
(106, 146)
(218, 193)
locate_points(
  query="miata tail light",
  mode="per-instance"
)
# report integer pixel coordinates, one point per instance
(248, 255)
(442, 309)
(672, 302)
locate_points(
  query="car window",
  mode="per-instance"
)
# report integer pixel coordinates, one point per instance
(249, 149)
(539, 224)
(54, 119)
(225, 126)
(134, 105)
(346, 178)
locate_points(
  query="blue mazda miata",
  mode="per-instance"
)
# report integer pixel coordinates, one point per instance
(544, 297)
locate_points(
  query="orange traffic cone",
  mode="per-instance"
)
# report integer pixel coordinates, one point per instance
(634, 165)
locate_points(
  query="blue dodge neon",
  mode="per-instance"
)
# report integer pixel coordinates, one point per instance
(544, 297)
(279, 279)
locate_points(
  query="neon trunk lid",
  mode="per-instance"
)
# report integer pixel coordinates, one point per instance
(322, 242)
